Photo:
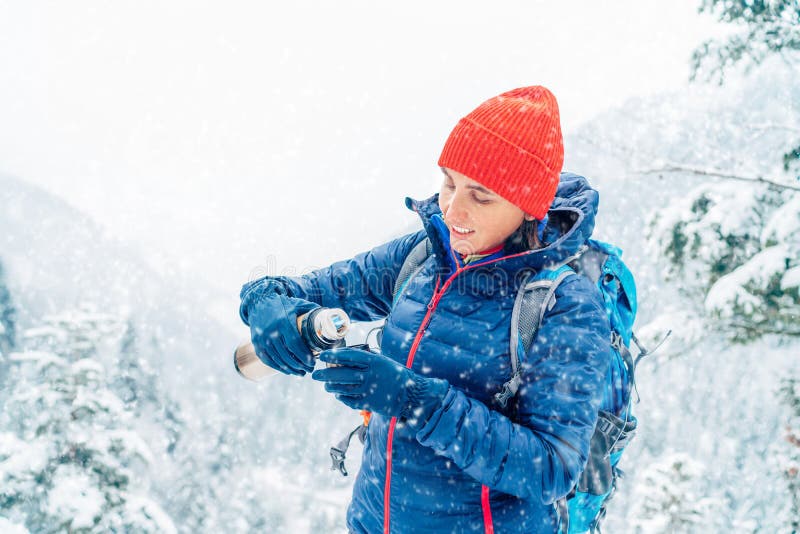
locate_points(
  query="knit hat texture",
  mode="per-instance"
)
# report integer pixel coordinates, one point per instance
(511, 144)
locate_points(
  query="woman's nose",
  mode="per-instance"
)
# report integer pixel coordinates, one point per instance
(456, 210)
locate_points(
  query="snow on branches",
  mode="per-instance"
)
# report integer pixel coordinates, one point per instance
(737, 247)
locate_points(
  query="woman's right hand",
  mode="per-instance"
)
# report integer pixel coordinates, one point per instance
(272, 317)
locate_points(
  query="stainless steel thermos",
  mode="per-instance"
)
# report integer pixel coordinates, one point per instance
(320, 329)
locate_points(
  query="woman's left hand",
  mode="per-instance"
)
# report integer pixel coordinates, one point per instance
(370, 381)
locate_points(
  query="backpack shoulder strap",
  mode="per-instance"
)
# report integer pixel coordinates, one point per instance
(411, 266)
(534, 297)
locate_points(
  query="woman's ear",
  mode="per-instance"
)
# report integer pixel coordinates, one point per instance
(529, 217)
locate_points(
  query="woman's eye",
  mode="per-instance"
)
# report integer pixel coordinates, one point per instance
(481, 200)
(449, 187)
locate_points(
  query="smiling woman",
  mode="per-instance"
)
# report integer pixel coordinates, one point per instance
(461, 437)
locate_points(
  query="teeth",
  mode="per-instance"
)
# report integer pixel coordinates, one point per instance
(461, 230)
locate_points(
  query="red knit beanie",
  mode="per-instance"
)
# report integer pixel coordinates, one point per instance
(512, 145)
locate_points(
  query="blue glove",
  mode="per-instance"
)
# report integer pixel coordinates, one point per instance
(272, 317)
(369, 381)
(257, 290)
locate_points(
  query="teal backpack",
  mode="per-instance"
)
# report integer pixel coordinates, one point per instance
(585, 506)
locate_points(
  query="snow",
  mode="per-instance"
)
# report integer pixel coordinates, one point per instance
(75, 496)
(88, 367)
(715, 404)
(41, 358)
(741, 289)
(784, 224)
(146, 512)
(698, 224)
(53, 332)
(119, 439)
(98, 401)
(8, 527)
(684, 329)
(722, 196)
(791, 279)
(20, 460)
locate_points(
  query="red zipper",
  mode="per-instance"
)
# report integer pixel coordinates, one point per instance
(387, 484)
(437, 296)
(488, 525)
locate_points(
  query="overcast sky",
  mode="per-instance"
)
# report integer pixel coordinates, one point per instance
(234, 134)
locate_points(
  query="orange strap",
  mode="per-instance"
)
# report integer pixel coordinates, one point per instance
(366, 415)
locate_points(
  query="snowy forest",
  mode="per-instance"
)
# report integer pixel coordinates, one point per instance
(120, 410)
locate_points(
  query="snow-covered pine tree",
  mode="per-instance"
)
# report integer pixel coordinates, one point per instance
(8, 316)
(669, 502)
(736, 239)
(733, 248)
(736, 247)
(137, 383)
(215, 486)
(200, 479)
(69, 460)
(733, 242)
(765, 28)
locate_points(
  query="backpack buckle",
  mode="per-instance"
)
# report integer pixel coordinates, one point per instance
(509, 390)
(338, 451)
(616, 341)
(337, 460)
(502, 396)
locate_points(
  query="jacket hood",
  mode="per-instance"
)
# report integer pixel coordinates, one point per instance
(570, 223)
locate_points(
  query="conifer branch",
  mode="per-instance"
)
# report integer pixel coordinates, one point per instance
(718, 174)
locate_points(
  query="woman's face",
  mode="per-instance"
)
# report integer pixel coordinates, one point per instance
(478, 218)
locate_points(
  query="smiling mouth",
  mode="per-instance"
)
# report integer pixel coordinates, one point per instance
(460, 230)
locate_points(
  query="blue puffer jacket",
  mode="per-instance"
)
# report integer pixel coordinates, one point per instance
(472, 466)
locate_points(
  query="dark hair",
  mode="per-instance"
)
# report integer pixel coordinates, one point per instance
(526, 237)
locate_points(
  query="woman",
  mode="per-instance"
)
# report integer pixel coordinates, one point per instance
(440, 455)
